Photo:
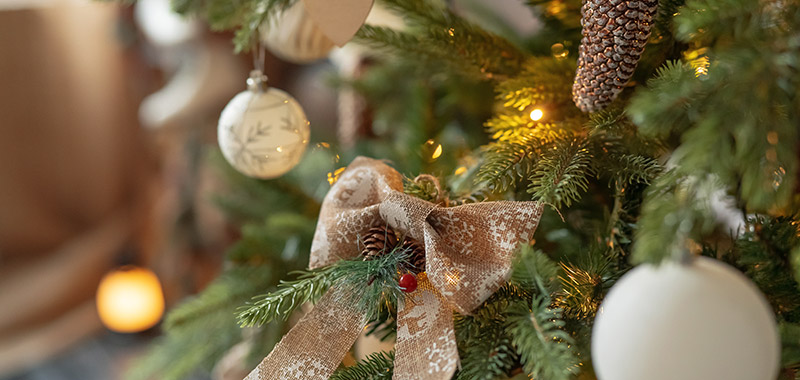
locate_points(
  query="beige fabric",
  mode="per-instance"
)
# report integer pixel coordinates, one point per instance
(468, 252)
(426, 341)
(316, 345)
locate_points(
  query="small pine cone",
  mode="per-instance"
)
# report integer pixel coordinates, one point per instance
(378, 241)
(614, 35)
(417, 255)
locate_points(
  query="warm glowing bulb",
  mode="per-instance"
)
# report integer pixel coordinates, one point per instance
(537, 114)
(334, 175)
(437, 152)
(130, 299)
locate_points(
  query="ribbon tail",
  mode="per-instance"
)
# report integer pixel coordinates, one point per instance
(315, 346)
(426, 342)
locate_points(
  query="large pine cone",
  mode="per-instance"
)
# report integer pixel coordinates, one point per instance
(382, 240)
(614, 35)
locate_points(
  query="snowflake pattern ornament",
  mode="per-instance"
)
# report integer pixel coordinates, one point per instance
(263, 132)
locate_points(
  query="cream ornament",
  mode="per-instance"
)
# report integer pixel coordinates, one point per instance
(340, 19)
(293, 36)
(697, 321)
(309, 29)
(263, 132)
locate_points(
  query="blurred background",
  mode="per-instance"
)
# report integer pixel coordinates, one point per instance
(108, 116)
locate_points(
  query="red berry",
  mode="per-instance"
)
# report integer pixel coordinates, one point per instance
(408, 283)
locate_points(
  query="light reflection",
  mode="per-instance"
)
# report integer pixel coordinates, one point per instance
(537, 114)
(437, 152)
(334, 176)
(559, 51)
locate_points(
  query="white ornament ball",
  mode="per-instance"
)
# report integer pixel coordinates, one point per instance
(699, 321)
(263, 133)
(294, 37)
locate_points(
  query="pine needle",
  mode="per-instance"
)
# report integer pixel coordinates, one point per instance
(545, 349)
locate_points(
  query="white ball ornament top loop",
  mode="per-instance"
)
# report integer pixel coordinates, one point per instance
(263, 132)
(257, 82)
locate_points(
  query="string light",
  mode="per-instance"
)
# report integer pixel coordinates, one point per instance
(537, 114)
(432, 150)
(437, 152)
(559, 51)
(699, 61)
(334, 175)
(702, 68)
(130, 299)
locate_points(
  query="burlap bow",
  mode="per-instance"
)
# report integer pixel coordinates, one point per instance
(468, 252)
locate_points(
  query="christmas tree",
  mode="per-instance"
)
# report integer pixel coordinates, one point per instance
(624, 133)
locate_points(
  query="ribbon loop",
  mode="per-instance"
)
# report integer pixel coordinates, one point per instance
(468, 253)
(406, 214)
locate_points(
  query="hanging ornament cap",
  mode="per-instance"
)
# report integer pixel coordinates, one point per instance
(257, 81)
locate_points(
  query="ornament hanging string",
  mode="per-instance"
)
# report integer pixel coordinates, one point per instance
(263, 131)
(468, 255)
(259, 54)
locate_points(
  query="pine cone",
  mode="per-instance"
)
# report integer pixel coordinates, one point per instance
(378, 241)
(417, 255)
(614, 35)
(381, 240)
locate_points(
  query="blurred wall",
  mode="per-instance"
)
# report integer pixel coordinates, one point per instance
(74, 166)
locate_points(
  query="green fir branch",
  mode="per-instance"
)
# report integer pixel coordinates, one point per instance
(489, 356)
(764, 251)
(585, 283)
(373, 285)
(443, 36)
(535, 271)
(722, 111)
(424, 188)
(377, 366)
(370, 285)
(627, 169)
(208, 317)
(790, 345)
(309, 286)
(243, 16)
(483, 344)
(667, 9)
(225, 293)
(543, 82)
(544, 347)
(562, 173)
(505, 164)
(660, 110)
(675, 211)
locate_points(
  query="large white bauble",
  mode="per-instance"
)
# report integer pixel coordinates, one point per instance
(293, 36)
(698, 321)
(263, 133)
